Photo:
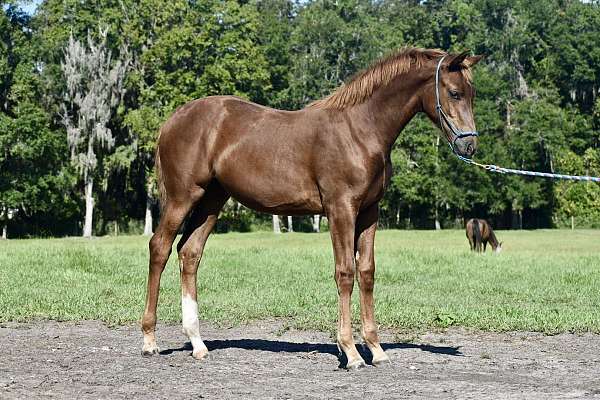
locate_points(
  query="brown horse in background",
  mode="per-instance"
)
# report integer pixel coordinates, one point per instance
(480, 232)
(332, 158)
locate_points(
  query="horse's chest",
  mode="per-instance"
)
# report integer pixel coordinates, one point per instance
(378, 181)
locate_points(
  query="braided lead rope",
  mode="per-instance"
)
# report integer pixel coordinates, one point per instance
(502, 170)
(458, 134)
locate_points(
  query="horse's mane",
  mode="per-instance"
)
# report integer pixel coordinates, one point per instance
(382, 72)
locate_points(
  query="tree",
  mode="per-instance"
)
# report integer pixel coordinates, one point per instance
(276, 226)
(93, 86)
(578, 200)
(330, 42)
(182, 52)
(35, 180)
(537, 104)
(276, 23)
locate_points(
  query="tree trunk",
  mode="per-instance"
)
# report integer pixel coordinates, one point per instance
(148, 219)
(89, 207)
(290, 224)
(438, 226)
(316, 223)
(521, 219)
(572, 222)
(276, 226)
(5, 231)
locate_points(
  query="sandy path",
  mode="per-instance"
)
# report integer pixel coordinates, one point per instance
(91, 360)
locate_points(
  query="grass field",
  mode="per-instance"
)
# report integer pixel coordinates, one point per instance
(546, 281)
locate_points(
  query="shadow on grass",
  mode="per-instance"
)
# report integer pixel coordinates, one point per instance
(278, 346)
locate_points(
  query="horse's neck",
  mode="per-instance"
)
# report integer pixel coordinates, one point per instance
(391, 108)
(492, 238)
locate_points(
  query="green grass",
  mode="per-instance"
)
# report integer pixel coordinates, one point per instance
(546, 281)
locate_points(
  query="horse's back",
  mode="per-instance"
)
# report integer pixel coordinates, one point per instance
(261, 156)
(486, 229)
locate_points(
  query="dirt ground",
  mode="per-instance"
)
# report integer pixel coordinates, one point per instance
(263, 361)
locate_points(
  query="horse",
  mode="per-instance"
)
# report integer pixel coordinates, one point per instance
(331, 158)
(479, 232)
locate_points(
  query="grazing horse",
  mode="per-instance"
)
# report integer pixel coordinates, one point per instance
(332, 158)
(479, 232)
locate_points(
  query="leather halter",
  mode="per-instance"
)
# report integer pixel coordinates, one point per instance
(443, 117)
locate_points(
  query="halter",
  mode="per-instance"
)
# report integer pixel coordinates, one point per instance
(443, 118)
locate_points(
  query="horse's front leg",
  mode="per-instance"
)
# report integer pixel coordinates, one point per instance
(366, 226)
(342, 221)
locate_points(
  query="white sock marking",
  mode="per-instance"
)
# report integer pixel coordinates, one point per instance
(191, 325)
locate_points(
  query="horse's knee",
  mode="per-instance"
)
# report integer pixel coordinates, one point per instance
(344, 277)
(366, 279)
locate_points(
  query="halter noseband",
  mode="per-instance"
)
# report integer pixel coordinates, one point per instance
(443, 118)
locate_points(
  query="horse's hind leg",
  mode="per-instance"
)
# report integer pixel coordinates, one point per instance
(190, 248)
(160, 248)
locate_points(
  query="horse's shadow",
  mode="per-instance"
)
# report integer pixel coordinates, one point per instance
(278, 346)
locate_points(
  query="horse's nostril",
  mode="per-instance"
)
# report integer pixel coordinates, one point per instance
(470, 149)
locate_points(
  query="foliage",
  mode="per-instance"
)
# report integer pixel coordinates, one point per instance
(93, 89)
(36, 182)
(537, 100)
(93, 85)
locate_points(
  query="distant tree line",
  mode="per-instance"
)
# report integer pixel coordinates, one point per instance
(84, 87)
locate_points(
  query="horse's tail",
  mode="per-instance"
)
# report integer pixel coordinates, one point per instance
(477, 234)
(160, 183)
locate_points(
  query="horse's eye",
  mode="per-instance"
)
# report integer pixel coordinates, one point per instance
(454, 94)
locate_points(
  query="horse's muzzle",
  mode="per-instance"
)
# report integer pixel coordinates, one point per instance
(466, 147)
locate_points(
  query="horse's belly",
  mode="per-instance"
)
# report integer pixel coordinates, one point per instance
(299, 207)
(274, 196)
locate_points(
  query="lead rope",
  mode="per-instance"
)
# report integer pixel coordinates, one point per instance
(502, 170)
(443, 118)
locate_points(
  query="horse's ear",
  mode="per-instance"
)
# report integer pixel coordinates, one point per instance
(456, 62)
(471, 61)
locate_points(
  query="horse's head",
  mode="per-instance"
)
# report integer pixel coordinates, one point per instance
(498, 248)
(450, 104)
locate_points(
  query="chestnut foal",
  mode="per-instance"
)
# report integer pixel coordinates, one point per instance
(332, 158)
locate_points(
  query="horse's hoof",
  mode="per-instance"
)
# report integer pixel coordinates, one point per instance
(382, 361)
(356, 364)
(200, 354)
(150, 352)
